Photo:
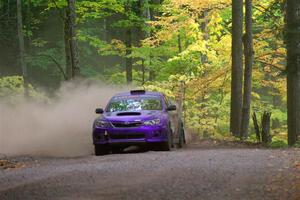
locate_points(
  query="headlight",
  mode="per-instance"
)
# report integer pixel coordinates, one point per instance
(101, 123)
(152, 122)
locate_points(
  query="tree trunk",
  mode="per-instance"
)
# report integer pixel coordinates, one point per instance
(237, 67)
(21, 47)
(70, 41)
(248, 51)
(104, 31)
(152, 16)
(128, 44)
(265, 128)
(276, 105)
(28, 23)
(151, 75)
(256, 127)
(67, 47)
(179, 43)
(205, 32)
(128, 60)
(293, 69)
(143, 72)
(145, 13)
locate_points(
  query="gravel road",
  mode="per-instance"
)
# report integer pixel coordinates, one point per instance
(190, 173)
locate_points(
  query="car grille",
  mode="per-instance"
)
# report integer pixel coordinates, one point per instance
(126, 124)
(127, 136)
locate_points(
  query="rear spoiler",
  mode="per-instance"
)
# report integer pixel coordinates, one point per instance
(137, 92)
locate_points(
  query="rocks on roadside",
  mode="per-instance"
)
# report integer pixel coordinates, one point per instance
(9, 164)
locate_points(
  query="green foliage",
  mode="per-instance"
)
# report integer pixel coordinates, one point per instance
(278, 143)
(12, 90)
(88, 10)
(297, 145)
(187, 46)
(11, 86)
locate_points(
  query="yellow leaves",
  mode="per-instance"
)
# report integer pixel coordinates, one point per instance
(202, 85)
(214, 24)
(223, 47)
(204, 59)
(176, 19)
(119, 46)
(255, 95)
(170, 27)
(161, 87)
(200, 5)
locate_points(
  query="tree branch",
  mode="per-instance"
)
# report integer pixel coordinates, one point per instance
(56, 63)
(272, 65)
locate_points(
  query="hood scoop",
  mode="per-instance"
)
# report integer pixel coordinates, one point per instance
(129, 114)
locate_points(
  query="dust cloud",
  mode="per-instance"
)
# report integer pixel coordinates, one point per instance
(62, 128)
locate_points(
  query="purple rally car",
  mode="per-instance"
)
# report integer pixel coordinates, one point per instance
(137, 117)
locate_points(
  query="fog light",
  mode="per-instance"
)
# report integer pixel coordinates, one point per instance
(98, 137)
(156, 133)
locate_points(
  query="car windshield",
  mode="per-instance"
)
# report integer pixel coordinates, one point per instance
(134, 103)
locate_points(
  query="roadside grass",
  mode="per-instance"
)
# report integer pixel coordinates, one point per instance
(279, 141)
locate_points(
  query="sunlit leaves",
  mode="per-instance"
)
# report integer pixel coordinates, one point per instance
(116, 47)
(98, 9)
(12, 88)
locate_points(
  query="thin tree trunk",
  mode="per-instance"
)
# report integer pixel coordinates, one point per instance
(256, 127)
(67, 47)
(21, 47)
(293, 69)
(248, 50)
(104, 31)
(265, 128)
(71, 25)
(205, 32)
(276, 105)
(128, 44)
(153, 14)
(143, 72)
(179, 43)
(237, 67)
(128, 60)
(145, 13)
(28, 24)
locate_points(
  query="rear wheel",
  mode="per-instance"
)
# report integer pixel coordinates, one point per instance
(101, 149)
(181, 137)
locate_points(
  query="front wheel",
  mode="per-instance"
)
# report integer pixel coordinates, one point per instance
(167, 146)
(101, 150)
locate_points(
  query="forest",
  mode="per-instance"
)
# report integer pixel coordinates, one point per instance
(234, 66)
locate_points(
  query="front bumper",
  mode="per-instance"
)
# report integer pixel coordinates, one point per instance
(136, 135)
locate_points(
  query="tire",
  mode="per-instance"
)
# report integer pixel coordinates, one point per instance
(101, 150)
(116, 150)
(184, 139)
(167, 146)
(181, 137)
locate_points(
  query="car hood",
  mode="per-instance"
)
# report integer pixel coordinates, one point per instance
(132, 115)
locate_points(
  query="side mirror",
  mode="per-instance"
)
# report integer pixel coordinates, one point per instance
(99, 111)
(171, 107)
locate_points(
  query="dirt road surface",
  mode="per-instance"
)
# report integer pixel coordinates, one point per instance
(190, 173)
